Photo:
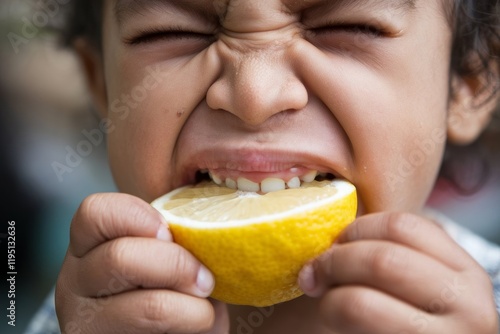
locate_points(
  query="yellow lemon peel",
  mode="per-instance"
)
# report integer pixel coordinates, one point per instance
(255, 245)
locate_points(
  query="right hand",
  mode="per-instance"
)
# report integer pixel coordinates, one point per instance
(123, 274)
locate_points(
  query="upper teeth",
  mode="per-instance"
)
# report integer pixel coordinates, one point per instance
(247, 185)
(272, 184)
(293, 183)
(215, 178)
(309, 177)
(265, 186)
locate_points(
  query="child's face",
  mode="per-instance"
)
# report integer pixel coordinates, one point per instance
(287, 86)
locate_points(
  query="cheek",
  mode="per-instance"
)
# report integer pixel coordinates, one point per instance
(148, 105)
(395, 125)
(141, 144)
(398, 171)
(146, 118)
(400, 146)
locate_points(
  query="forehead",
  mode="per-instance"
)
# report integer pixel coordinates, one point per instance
(126, 8)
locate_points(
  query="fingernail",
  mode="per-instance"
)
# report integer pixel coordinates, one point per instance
(307, 280)
(163, 233)
(205, 281)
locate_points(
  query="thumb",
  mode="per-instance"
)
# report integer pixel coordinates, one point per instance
(221, 325)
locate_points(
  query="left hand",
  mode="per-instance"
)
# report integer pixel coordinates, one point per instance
(400, 273)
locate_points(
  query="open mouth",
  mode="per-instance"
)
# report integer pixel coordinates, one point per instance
(262, 182)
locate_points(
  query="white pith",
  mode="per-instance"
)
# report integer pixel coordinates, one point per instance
(343, 187)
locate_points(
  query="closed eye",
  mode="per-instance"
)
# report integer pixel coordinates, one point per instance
(349, 28)
(154, 35)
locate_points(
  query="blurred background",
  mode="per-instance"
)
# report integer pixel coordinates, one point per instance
(44, 112)
(44, 108)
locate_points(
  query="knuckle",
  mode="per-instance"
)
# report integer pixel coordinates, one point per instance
(182, 266)
(489, 321)
(357, 304)
(155, 314)
(85, 216)
(164, 312)
(326, 262)
(82, 214)
(480, 310)
(205, 318)
(385, 260)
(89, 205)
(400, 226)
(139, 209)
(156, 311)
(484, 321)
(132, 207)
(353, 232)
(115, 253)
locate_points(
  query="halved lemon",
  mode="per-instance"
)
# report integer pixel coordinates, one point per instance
(255, 245)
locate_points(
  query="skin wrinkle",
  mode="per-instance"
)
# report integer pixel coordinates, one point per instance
(222, 8)
(401, 6)
(125, 8)
(231, 77)
(375, 115)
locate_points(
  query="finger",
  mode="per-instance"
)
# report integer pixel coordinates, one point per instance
(147, 311)
(394, 269)
(128, 263)
(103, 217)
(411, 230)
(221, 325)
(362, 310)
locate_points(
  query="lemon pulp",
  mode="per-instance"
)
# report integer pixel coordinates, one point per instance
(255, 244)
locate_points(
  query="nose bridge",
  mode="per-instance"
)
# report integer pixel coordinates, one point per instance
(257, 82)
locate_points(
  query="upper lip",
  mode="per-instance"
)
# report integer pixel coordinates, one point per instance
(253, 160)
(311, 139)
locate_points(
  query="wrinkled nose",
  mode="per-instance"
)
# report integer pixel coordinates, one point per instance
(255, 86)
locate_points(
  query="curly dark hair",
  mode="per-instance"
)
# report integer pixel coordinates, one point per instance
(475, 53)
(476, 44)
(83, 19)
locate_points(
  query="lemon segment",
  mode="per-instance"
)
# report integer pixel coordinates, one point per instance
(255, 245)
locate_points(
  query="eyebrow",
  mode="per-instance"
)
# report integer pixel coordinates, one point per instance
(403, 5)
(409, 4)
(124, 9)
(204, 9)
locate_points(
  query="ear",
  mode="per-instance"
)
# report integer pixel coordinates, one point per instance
(471, 107)
(92, 65)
